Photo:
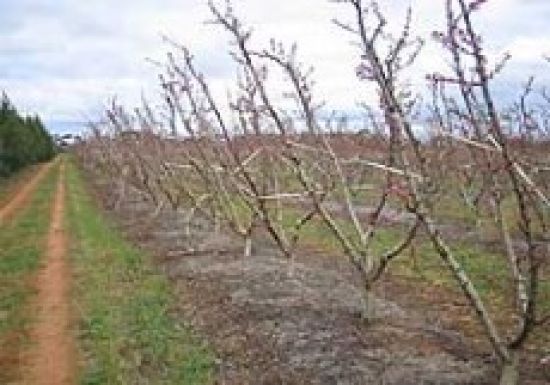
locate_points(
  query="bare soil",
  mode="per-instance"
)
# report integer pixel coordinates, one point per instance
(51, 357)
(275, 321)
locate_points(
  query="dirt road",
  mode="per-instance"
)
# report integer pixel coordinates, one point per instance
(51, 360)
(22, 196)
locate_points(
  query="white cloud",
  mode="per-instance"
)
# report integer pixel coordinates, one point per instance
(529, 49)
(64, 58)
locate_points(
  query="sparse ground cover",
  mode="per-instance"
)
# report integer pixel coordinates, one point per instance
(270, 319)
(483, 261)
(22, 240)
(420, 266)
(127, 331)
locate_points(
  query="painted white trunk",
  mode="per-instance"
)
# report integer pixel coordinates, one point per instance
(188, 219)
(187, 228)
(247, 246)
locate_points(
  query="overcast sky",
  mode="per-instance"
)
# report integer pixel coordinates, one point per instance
(63, 59)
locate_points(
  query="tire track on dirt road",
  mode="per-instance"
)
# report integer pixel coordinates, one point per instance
(22, 196)
(51, 357)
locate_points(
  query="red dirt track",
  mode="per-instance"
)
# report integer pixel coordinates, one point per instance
(51, 359)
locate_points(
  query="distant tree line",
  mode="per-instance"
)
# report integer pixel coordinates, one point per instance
(23, 139)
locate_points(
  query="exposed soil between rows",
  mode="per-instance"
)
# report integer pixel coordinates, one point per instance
(22, 195)
(274, 321)
(51, 356)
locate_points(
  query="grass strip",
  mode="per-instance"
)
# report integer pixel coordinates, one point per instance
(127, 334)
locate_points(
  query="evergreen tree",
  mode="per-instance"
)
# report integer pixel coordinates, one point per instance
(23, 140)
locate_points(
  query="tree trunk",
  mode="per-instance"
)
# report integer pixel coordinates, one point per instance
(509, 374)
(188, 217)
(187, 228)
(247, 246)
(217, 225)
(121, 195)
(368, 306)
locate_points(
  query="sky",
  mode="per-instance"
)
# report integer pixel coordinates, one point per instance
(64, 59)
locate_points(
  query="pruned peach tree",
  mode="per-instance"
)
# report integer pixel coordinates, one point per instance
(264, 162)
